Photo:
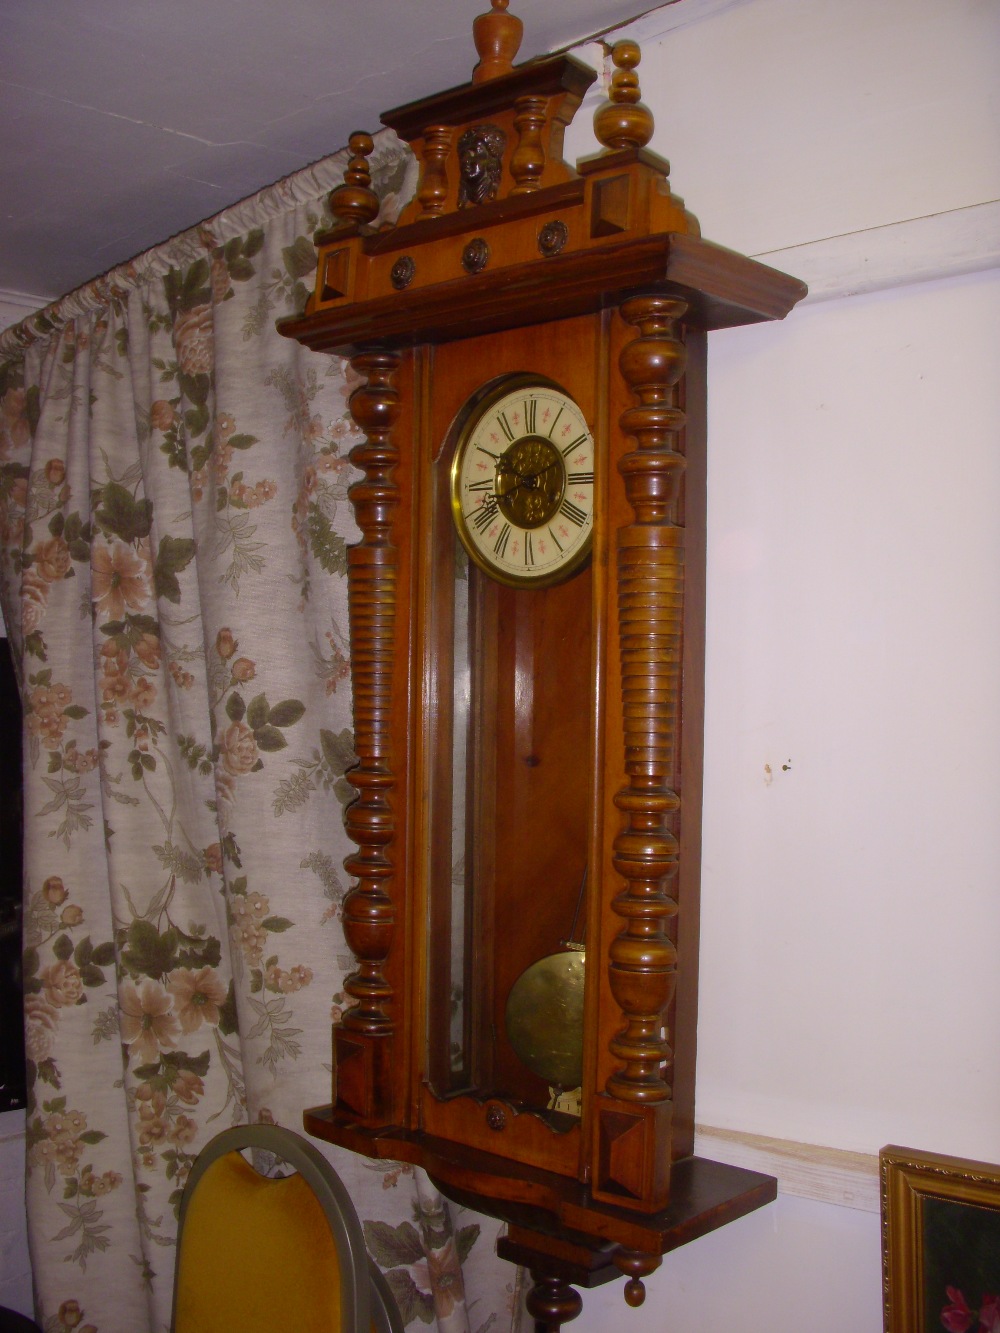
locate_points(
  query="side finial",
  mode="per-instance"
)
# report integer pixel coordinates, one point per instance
(623, 121)
(497, 35)
(355, 202)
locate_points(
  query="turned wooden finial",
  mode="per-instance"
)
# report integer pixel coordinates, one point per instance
(355, 202)
(497, 35)
(623, 121)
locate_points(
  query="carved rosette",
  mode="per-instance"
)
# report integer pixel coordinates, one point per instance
(634, 1114)
(369, 913)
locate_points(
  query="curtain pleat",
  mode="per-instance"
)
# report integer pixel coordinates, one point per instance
(174, 524)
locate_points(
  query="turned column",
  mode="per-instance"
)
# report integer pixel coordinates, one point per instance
(632, 1143)
(364, 1039)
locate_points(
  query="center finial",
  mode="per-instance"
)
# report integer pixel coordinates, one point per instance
(497, 35)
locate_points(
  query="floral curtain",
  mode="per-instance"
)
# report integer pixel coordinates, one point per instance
(173, 514)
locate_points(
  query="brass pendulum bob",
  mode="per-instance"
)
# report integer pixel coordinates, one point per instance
(544, 1013)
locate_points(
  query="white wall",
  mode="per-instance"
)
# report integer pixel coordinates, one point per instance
(849, 995)
(15, 306)
(849, 902)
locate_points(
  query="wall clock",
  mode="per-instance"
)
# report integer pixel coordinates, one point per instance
(527, 605)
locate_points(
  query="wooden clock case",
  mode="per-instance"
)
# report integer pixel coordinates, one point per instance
(510, 262)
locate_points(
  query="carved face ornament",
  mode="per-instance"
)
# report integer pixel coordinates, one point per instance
(480, 158)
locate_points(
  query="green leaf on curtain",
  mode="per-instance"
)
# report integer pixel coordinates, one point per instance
(177, 1060)
(201, 453)
(413, 1303)
(329, 547)
(104, 954)
(392, 1246)
(465, 1238)
(196, 420)
(228, 1020)
(34, 645)
(187, 288)
(140, 624)
(92, 1136)
(56, 524)
(286, 713)
(76, 712)
(338, 751)
(276, 923)
(242, 441)
(299, 258)
(63, 948)
(174, 555)
(269, 739)
(147, 952)
(123, 515)
(235, 708)
(207, 954)
(47, 1071)
(195, 389)
(258, 713)
(184, 865)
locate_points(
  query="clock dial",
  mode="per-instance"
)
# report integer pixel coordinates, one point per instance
(523, 483)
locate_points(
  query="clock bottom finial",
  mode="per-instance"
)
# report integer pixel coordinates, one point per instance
(552, 1302)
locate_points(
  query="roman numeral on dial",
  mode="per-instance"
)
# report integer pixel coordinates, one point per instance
(573, 513)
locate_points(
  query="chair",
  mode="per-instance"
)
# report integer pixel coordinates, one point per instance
(258, 1254)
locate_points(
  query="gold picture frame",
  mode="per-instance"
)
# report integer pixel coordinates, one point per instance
(940, 1242)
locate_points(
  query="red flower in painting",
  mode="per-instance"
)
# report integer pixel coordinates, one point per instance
(989, 1314)
(956, 1317)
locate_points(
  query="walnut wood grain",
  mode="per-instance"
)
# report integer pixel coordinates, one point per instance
(721, 289)
(528, 159)
(369, 915)
(633, 1152)
(458, 106)
(705, 1194)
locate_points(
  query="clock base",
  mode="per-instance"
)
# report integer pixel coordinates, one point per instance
(555, 1228)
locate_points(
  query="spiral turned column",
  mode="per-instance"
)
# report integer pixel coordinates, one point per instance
(363, 1040)
(634, 1113)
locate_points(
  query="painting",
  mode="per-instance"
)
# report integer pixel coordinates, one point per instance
(940, 1243)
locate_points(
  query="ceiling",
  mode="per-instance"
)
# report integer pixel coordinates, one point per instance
(125, 121)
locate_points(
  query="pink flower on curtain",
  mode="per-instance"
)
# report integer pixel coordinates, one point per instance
(238, 749)
(119, 581)
(34, 600)
(62, 983)
(51, 559)
(195, 340)
(147, 1021)
(197, 996)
